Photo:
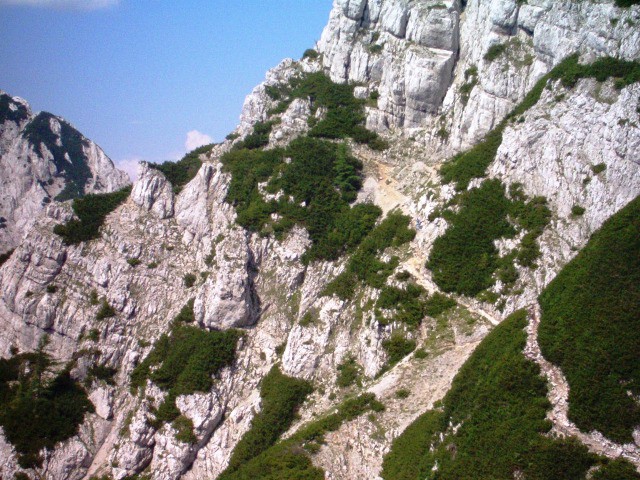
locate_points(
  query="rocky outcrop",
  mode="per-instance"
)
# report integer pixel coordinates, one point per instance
(436, 94)
(42, 158)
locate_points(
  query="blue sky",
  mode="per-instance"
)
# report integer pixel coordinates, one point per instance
(136, 76)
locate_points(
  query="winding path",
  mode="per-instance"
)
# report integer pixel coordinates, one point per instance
(559, 397)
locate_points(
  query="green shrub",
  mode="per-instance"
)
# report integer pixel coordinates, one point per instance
(623, 71)
(495, 51)
(618, 469)
(289, 459)
(408, 304)
(5, 256)
(598, 168)
(102, 373)
(105, 311)
(376, 48)
(438, 304)
(189, 280)
(38, 407)
(184, 430)
(186, 313)
(93, 335)
(183, 362)
(51, 288)
(464, 259)
(577, 211)
(590, 327)
(281, 398)
(310, 53)
(134, 262)
(91, 211)
(402, 393)
(397, 347)
(364, 266)
(319, 182)
(152, 265)
(258, 138)
(184, 170)
(496, 399)
(348, 373)
(473, 163)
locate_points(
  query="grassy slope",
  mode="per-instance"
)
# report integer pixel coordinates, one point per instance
(590, 327)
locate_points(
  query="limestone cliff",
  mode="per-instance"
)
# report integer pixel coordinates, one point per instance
(432, 90)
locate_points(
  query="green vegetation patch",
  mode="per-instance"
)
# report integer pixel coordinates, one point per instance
(623, 72)
(495, 51)
(590, 327)
(184, 170)
(464, 259)
(289, 459)
(69, 145)
(5, 256)
(183, 362)
(397, 347)
(408, 304)
(490, 423)
(312, 182)
(281, 398)
(38, 407)
(364, 266)
(349, 373)
(91, 211)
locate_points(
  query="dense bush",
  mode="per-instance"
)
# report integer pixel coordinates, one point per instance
(91, 211)
(183, 362)
(310, 53)
(364, 265)
(5, 256)
(397, 347)
(258, 138)
(344, 113)
(591, 329)
(623, 71)
(38, 411)
(408, 304)
(348, 373)
(317, 183)
(288, 459)
(281, 397)
(437, 304)
(498, 401)
(105, 310)
(464, 259)
(184, 170)
(495, 51)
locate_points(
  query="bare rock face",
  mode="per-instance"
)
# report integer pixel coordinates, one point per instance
(42, 157)
(437, 94)
(418, 55)
(153, 192)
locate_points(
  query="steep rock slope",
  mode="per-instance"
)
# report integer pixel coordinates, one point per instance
(163, 255)
(42, 158)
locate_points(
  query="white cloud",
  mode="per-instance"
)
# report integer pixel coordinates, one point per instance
(64, 4)
(196, 139)
(129, 166)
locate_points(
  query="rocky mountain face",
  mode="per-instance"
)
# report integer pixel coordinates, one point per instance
(434, 78)
(43, 158)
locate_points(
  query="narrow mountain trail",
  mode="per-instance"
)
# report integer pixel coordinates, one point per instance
(559, 397)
